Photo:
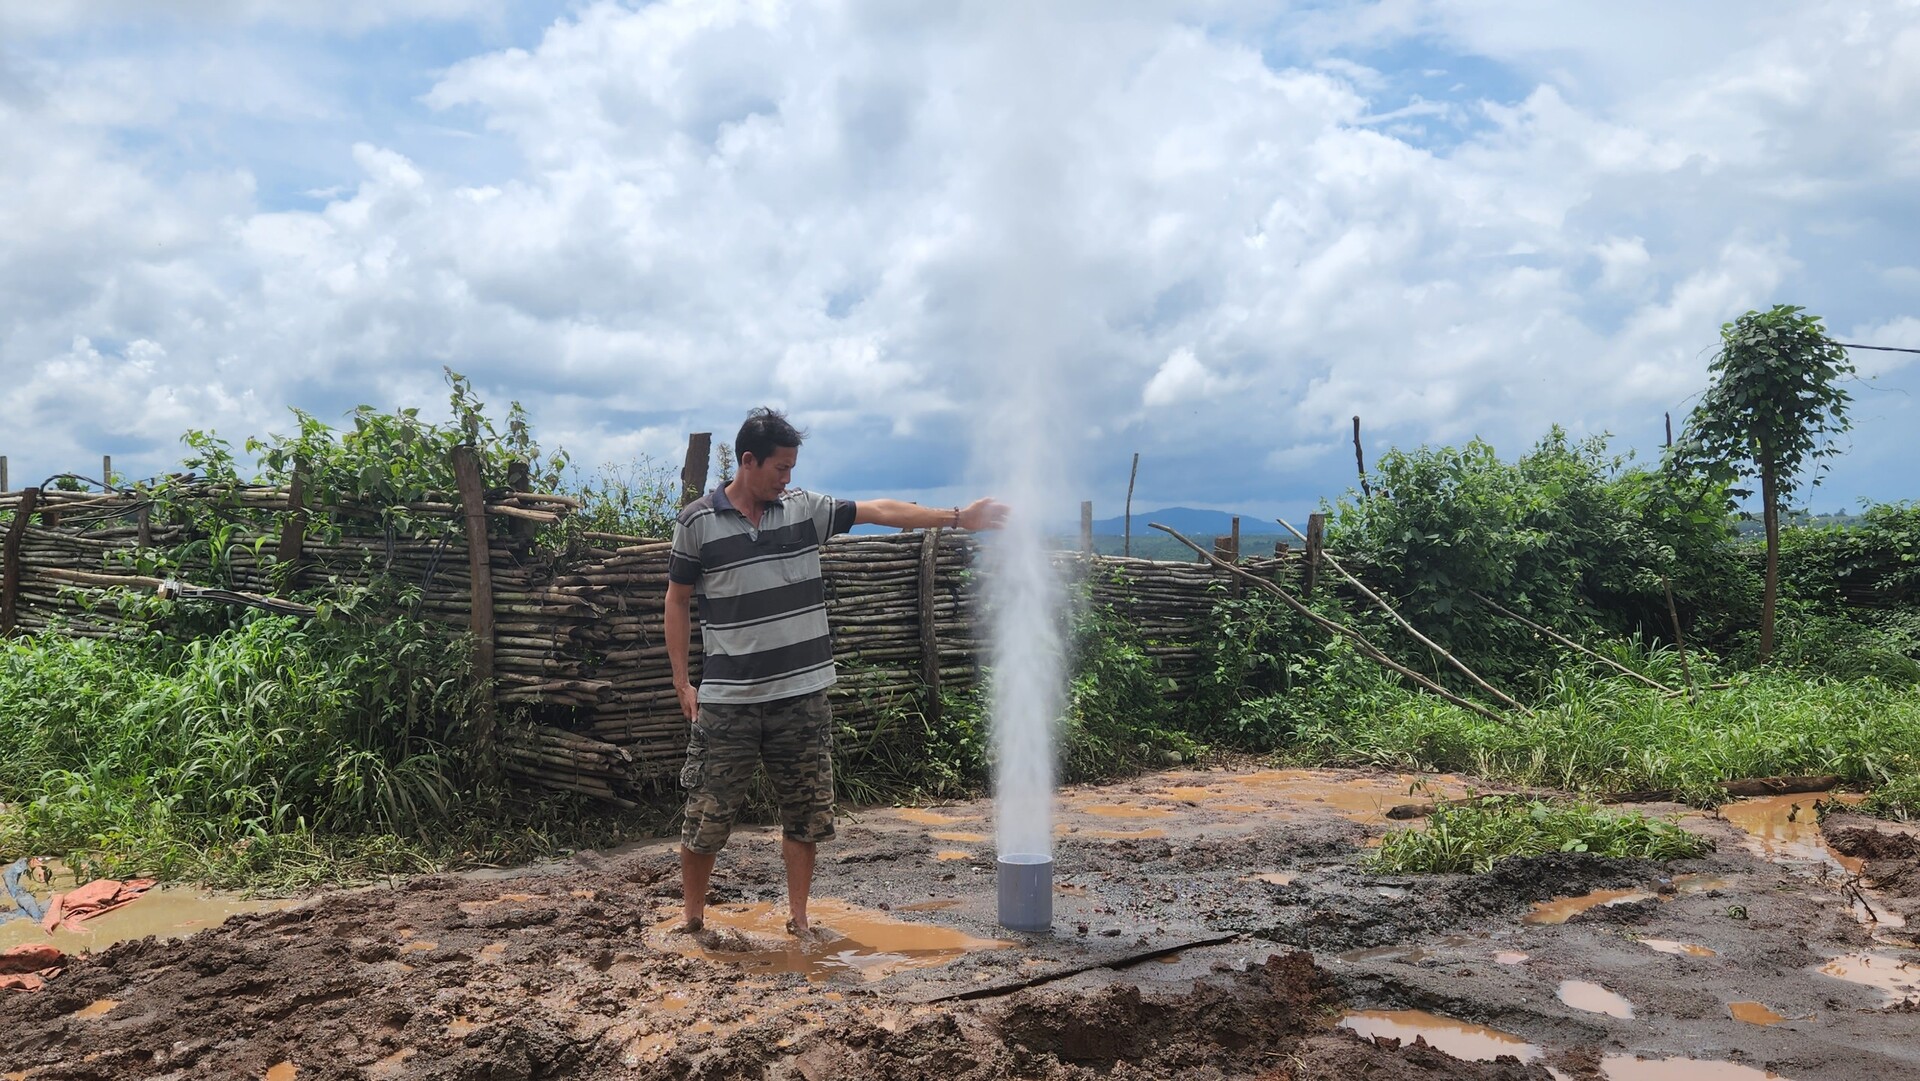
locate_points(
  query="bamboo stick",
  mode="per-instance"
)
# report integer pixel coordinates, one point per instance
(1458, 665)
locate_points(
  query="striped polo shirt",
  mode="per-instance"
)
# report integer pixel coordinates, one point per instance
(763, 605)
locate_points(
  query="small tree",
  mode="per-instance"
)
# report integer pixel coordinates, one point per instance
(1772, 404)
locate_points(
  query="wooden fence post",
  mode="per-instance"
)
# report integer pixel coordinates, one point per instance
(10, 561)
(520, 479)
(1086, 526)
(466, 472)
(1126, 529)
(929, 632)
(293, 530)
(1360, 461)
(106, 472)
(1316, 537)
(693, 474)
(3, 474)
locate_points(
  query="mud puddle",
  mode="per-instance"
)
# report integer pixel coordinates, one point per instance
(1897, 979)
(164, 911)
(1461, 1039)
(1561, 909)
(846, 941)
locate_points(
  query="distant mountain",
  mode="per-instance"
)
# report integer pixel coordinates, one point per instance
(1194, 523)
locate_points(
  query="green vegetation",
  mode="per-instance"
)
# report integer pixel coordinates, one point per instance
(1773, 403)
(229, 746)
(1474, 834)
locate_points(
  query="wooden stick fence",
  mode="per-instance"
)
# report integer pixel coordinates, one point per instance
(579, 674)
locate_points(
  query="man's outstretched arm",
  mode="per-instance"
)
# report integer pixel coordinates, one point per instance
(979, 514)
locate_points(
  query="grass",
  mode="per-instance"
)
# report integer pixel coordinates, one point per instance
(1474, 834)
(1608, 734)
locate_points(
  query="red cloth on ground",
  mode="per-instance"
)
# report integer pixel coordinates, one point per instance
(28, 968)
(95, 898)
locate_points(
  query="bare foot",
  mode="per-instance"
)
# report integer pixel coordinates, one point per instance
(688, 927)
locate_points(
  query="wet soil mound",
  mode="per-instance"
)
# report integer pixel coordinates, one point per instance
(1343, 1057)
(1372, 910)
(1891, 851)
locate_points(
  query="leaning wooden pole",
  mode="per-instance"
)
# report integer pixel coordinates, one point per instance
(466, 473)
(1126, 522)
(1458, 664)
(1569, 643)
(1686, 666)
(1367, 648)
(10, 559)
(929, 627)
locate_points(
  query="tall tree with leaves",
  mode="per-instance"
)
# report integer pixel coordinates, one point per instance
(1769, 413)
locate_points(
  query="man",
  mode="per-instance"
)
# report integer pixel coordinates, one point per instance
(751, 551)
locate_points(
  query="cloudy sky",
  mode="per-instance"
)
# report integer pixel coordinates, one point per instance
(1209, 231)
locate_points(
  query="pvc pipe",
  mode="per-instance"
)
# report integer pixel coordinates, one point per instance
(1026, 892)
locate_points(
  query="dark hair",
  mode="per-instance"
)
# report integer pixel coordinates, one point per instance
(765, 432)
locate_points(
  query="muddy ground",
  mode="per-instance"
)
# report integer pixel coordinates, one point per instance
(1207, 925)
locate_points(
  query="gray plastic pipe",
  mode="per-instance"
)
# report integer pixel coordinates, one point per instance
(1026, 892)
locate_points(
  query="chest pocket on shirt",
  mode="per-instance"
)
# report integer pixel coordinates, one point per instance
(799, 561)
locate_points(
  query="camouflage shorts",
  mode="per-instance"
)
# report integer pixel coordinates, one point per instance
(792, 737)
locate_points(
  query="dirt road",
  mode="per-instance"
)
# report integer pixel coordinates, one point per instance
(1207, 925)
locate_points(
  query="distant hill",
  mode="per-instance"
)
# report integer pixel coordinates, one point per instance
(1194, 523)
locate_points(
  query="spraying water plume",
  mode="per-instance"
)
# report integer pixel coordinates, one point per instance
(1023, 444)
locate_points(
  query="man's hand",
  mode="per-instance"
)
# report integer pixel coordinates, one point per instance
(983, 514)
(689, 696)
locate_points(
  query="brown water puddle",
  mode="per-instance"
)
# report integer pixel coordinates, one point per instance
(1593, 998)
(1364, 799)
(1561, 909)
(459, 1027)
(1125, 810)
(1271, 878)
(1754, 1013)
(1456, 1038)
(1784, 828)
(1899, 980)
(1509, 957)
(962, 838)
(282, 1071)
(1126, 835)
(924, 817)
(951, 854)
(1187, 793)
(1629, 1068)
(164, 912)
(926, 906)
(849, 941)
(1680, 949)
(97, 1008)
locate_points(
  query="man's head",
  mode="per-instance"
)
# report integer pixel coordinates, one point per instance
(768, 446)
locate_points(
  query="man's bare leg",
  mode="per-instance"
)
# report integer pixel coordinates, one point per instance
(696, 870)
(799, 857)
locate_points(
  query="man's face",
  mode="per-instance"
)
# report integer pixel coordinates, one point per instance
(767, 479)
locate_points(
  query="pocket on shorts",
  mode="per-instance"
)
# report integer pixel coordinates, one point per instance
(695, 768)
